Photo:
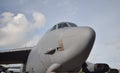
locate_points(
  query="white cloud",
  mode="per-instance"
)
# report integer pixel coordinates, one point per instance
(15, 28)
(7, 17)
(33, 41)
(39, 19)
(17, 24)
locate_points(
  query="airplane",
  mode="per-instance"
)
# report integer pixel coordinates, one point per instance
(64, 48)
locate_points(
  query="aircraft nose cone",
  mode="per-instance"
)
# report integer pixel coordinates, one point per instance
(79, 39)
(78, 43)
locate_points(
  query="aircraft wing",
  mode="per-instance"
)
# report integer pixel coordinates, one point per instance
(13, 56)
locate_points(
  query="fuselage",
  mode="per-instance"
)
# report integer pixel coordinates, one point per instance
(61, 50)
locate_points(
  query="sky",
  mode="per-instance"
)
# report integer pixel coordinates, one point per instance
(24, 22)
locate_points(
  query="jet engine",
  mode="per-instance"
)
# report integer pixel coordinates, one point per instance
(113, 71)
(95, 68)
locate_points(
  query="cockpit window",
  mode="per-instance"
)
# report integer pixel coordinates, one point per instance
(72, 25)
(62, 25)
(54, 27)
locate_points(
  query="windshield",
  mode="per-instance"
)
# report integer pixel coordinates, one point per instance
(72, 25)
(63, 25)
(54, 27)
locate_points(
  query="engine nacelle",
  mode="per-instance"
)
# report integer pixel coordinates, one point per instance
(95, 68)
(113, 71)
(101, 67)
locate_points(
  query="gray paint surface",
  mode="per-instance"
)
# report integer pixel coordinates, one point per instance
(77, 44)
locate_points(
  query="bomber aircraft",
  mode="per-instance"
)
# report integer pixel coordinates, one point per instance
(64, 48)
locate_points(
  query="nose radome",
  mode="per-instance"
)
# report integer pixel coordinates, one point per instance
(87, 37)
(90, 33)
(78, 38)
(78, 43)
